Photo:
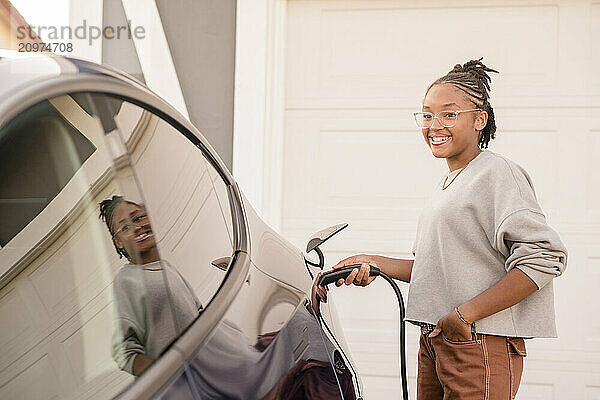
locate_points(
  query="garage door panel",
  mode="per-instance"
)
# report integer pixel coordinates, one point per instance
(373, 57)
(20, 333)
(536, 391)
(364, 171)
(97, 360)
(595, 49)
(549, 144)
(592, 167)
(89, 278)
(35, 380)
(592, 302)
(593, 392)
(77, 351)
(574, 309)
(371, 158)
(542, 170)
(592, 387)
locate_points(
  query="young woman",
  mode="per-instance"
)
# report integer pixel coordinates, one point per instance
(154, 303)
(481, 279)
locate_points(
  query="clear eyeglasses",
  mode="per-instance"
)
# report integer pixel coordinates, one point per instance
(446, 118)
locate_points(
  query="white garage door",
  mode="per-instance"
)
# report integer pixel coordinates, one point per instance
(356, 70)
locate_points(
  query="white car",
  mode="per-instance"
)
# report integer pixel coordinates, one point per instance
(179, 291)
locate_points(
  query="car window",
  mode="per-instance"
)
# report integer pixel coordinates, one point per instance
(58, 260)
(113, 241)
(184, 194)
(54, 150)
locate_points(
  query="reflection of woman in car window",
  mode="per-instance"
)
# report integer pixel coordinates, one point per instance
(154, 303)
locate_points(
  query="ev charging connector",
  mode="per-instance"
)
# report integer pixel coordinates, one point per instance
(341, 273)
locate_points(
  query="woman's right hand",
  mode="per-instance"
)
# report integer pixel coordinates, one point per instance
(358, 276)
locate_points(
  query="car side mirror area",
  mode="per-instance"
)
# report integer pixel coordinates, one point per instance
(318, 239)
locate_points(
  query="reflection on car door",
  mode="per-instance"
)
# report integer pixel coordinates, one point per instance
(57, 259)
(269, 344)
(116, 233)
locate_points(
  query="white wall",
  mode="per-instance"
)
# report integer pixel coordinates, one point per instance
(250, 92)
(258, 113)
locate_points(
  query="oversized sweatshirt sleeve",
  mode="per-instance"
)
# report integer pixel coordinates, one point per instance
(529, 244)
(128, 332)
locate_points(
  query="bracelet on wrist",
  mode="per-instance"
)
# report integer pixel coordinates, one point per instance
(471, 324)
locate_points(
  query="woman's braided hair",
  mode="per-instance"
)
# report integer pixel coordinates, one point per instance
(473, 79)
(107, 209)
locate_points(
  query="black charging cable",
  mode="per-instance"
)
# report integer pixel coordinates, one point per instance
(342, 273)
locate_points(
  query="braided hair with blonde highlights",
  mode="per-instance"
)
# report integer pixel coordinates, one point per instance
(473, 79)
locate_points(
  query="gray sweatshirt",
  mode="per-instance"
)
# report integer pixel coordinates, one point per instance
(469, 235)
(154, 304)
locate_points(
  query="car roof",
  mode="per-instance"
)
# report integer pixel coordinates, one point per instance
(26, 78)
(20, 70)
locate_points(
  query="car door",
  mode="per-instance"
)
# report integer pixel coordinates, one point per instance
(118, 235)
(82, 206)
(268, 341)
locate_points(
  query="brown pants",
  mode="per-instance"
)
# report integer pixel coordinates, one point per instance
(486, 368)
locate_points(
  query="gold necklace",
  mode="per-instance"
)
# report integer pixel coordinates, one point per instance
(444, 186)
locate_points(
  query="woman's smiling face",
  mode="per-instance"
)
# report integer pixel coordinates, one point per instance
(133, 232)
(460, 141)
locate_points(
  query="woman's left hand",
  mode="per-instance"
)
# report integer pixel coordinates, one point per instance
(453, 328)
